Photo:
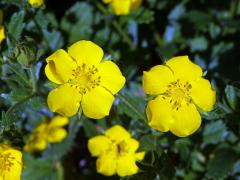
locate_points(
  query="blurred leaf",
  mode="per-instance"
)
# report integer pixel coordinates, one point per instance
(220, 166)
(147, 142)
(78, 21)
(198, 44)
(214, 132)
(89, 127)
(39, 169)
(142, 16)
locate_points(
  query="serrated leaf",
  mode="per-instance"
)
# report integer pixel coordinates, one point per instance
(16, 25)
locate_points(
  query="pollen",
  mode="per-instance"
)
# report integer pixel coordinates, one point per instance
(85, 78)
(177, 93)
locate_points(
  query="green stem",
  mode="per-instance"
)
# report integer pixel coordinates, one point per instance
(33, 79)
(125, 100)
(116, 25)
(11, 109)
(157, 37)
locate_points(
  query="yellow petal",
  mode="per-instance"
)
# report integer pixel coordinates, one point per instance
(36, 3)
(106, 165)
(14, 172)
(202, 94)
(157, 79)
(60, 67)
(64, 100)
(126, 165)
(2, 33)
(97, 103)
(58, 121)
(121, 7)
(106, 1)
(159, 114)
(135, 4)
(86, 52)
(187, 120)
(139, 156)
(55, 135)
(117, 133)
(111, 76)
(130, 145)
(183, 68)
(98, 145)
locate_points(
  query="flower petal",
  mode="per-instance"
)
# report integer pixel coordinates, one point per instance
(58, 121)
(121, 7)
(135, 4)
(86, 52)
(187, 120)
(130, 145)
(106, 164)
(202, 94)
(60, 67)
(98, 145)
(64, 100)
(159, 114)
(126, 165)
(56, 135)
(183, 68)
(111, 76)
(139, 156)
(2, 33)
(14, 173)
(157, 79)
(117, 133)
(106, 1)
(97, 103)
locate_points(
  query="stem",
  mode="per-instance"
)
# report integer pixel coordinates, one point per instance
(11, 109)
(123, 34)
(157, 37)
(125, 100)
(116, 25)
(33, 79)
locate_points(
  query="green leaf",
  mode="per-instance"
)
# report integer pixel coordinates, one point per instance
(221, 164)
(214, 132)
(39, 169)
(89, 127)
(16, 25)
(232, 96)
(215, 114)
(78, 21)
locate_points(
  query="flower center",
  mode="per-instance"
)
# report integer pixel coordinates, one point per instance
(85, 78)
(178, 92)
(6, 162)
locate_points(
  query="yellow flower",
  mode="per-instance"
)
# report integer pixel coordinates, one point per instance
(116, 152)
(47, 132)
(83, 79)
(180, 90)
(36, 3)
(123, 7)
(10, 163)
(2, 30)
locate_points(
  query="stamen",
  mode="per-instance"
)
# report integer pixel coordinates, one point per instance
(177, 92)
(85, 78)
